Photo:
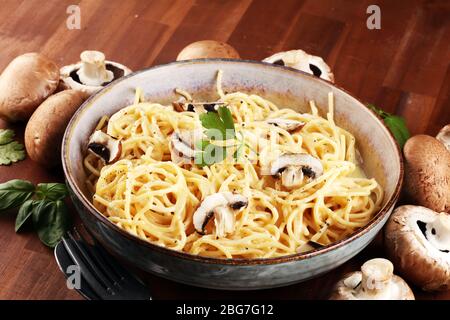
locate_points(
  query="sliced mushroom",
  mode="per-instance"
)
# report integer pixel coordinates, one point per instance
(444, 136)
(92, 73)
(182, 145)
(286, 124)
(104, 146)
(221, 206)
(309, 246)
(293, 167)
(375, 281)
(417, 241)
(302, 61)
(198, 107)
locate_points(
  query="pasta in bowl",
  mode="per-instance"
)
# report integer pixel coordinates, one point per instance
(292, 182)
(295, 175)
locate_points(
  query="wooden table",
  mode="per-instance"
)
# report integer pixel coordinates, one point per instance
(403, 68)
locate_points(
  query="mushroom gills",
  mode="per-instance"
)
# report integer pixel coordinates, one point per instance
(293, 167)
(104, 146)
(309, 246)
(221, 206)
(286, 124)
(182, 146)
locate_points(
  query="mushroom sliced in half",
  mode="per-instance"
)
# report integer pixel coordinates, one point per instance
(182, 146)
(299, 59)
(444, 136)
(198, 107)
(92, 73)
(221, 206)
(104, 146)
(286, 124)
(418, 243)
(375, 281)
(293, 167)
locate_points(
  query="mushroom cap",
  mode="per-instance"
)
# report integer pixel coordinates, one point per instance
(427, 172)
(299, 59)
(444, 136)
(344, 289)
(45, 129)
(207, 49)
(286, 124)
(413, 255)
(24, 84)
(67, 76)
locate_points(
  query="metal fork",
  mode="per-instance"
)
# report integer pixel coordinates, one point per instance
(102, 277)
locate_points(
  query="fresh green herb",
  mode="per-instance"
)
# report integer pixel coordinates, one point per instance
(396, 124)
(15, 192)
(10, 150)
(44, 204)
(219, 127)
(6, 136)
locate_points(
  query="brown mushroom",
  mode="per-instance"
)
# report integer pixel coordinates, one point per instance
(24, 84)
(207, 49)
(375, 281)
(444, 136)
(92, 73)
(417, 241)
(427, 172)
(45, 129)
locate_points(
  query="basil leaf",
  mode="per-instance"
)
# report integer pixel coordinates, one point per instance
(398, 128)
(25, 212)
(15, 192)
(211, 121)
(51, 221)
(51, 191)
(228, 122)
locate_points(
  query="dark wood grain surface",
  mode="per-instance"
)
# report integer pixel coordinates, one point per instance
(403, 68)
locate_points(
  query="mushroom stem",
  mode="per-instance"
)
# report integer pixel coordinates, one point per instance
(93, 69)
(376, 276)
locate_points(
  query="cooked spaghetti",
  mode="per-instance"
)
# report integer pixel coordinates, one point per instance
(153, 197)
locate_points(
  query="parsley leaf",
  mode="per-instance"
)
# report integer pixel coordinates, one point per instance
(396, 124)
(219, 125)
(6, 136)
(11, 152)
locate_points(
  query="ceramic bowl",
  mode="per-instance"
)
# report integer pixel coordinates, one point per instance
(286, 87)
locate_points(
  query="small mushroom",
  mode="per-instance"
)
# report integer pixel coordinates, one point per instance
(286, 124)
(198, 107)
(375, 281)
(221, 206)
(444, 136)
(104, 146)
(24, 84)
(293, 167)
(92, 73)
(427, 172)
(182, 146)
(207, 49)
(299, 59)
(417, 241)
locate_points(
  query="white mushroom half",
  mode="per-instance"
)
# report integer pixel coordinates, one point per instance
(375, 281)
(104, 146)
(293, 167)
(198, 107)
(92, 73)
(444, 136)
(221, 206)
(302, 61)
(286, 124)
(417, 241)
(182, 146)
